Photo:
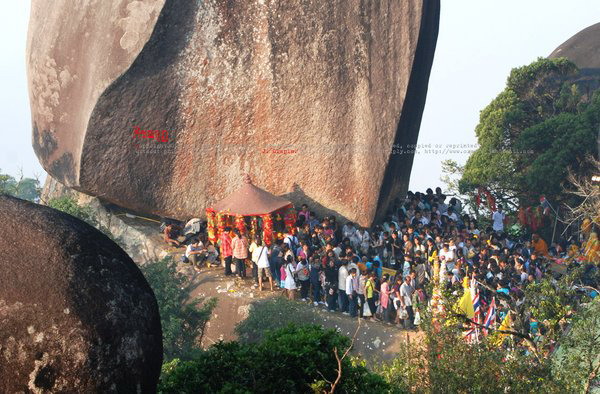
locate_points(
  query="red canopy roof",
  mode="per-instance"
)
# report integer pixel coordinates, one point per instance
(250, 200)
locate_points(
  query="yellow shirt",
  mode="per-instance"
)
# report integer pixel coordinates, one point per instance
(369, 287)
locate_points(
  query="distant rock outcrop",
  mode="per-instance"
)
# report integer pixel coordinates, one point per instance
(583, 49)
(76, 314)
(160, 106)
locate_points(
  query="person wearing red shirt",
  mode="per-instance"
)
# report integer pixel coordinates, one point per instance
(304, 212)
(226, 249)
(239, 246)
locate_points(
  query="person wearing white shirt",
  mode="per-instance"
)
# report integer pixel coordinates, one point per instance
(362, 240)
(406, 292)
(498, 219)
(348, 230)
(262, 262)
(254, 257)
(337, 250)
(289, 282)
(447, 253)
(452, 215)
(195, 253)
(291, 241)
(351, 292)
(342, 297)
(442, 207)
(447, 257)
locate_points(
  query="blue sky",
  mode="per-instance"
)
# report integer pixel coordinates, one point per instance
(479, 43)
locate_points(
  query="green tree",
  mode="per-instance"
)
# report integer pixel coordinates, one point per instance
(445, 363)
(68, 205)
(24, 188)
(183, 318)
(559, 143)
(577, 360)
(269, 315)
(451, 173)
(28, 189)
(535, 129)
(295, 359)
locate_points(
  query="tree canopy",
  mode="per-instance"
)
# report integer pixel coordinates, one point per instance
(537, 128)
(21, 187)
(183, 318)
(294, 359)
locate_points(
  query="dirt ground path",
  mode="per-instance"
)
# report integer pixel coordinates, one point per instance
(375, 341)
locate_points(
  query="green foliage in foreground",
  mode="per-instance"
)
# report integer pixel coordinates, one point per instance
(272, 314)
(447, 364)
(577, 360)
(292, 360)
(300, 359)
(183, 321)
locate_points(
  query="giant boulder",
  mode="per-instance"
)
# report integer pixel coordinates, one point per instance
(317, 100)
(76, 314)
(583, 49)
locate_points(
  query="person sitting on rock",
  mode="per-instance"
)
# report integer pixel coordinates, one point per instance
(170, 234)
(196, 253)
(212, 254)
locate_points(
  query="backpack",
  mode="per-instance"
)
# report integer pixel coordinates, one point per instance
(275, 259)
(304, 273)
(293, 244)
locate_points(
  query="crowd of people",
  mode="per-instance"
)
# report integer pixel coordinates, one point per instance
(382, 273)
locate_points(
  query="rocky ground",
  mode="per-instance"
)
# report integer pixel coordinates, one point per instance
(375, 341)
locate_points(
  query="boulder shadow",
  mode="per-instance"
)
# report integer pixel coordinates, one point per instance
(299, 197)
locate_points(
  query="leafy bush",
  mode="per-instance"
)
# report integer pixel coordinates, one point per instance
(183, 321)
(447, 364)
(269, 315)
(295, 359)
(577, 360)
(68, 205)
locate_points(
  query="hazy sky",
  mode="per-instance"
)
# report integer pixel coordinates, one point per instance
(479, 42)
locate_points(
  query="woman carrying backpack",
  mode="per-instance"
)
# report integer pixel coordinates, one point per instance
(303, 271)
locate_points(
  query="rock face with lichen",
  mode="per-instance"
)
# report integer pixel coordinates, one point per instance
(76, 314)
(161, 106)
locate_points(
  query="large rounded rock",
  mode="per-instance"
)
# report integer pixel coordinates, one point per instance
(583, 48)
(309, 97)
(76, 314)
